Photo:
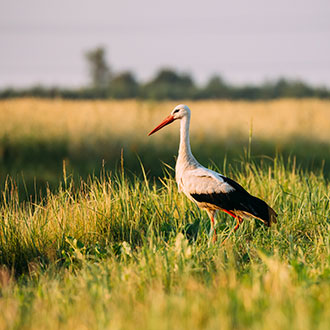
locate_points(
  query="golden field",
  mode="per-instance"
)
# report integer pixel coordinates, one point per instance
(120, 250)
(282, 119)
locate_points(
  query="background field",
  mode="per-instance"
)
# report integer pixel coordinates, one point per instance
(37, 135)
(88, 241)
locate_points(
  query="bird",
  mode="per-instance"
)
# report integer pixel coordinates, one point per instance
(211, 191)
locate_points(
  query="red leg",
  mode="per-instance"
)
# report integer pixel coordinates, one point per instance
(239, 219)
(214, 238)
(230, 213)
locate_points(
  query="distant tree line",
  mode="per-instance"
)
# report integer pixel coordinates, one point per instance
(166, 85)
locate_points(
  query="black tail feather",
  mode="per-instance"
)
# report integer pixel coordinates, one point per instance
(259, 209)
(238, 201)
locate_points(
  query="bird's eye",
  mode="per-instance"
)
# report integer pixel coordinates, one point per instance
(175, 111)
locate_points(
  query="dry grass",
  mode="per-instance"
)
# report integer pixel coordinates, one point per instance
(81, 119)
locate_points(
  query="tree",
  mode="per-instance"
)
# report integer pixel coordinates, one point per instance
(124, 86)
(215, 88)
(169, 84)
(99, 70)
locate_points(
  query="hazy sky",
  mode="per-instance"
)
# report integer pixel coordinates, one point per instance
(245, 41)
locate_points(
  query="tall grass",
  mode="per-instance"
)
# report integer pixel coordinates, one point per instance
(121, 250)
(116, 253)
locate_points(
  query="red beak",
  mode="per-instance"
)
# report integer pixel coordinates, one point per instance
(166, 121)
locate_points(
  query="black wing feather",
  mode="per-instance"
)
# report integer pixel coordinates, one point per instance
(239, 200)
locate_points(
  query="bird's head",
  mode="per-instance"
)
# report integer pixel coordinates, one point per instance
(179, 112)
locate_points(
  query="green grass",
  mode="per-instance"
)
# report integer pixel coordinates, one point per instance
(36, 164)
(114, 252)
(122, 250)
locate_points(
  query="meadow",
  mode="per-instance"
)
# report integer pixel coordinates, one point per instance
(94, 234)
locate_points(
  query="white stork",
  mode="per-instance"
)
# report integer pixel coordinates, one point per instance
(210, 190)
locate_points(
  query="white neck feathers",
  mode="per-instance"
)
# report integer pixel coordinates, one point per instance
(185, 157)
